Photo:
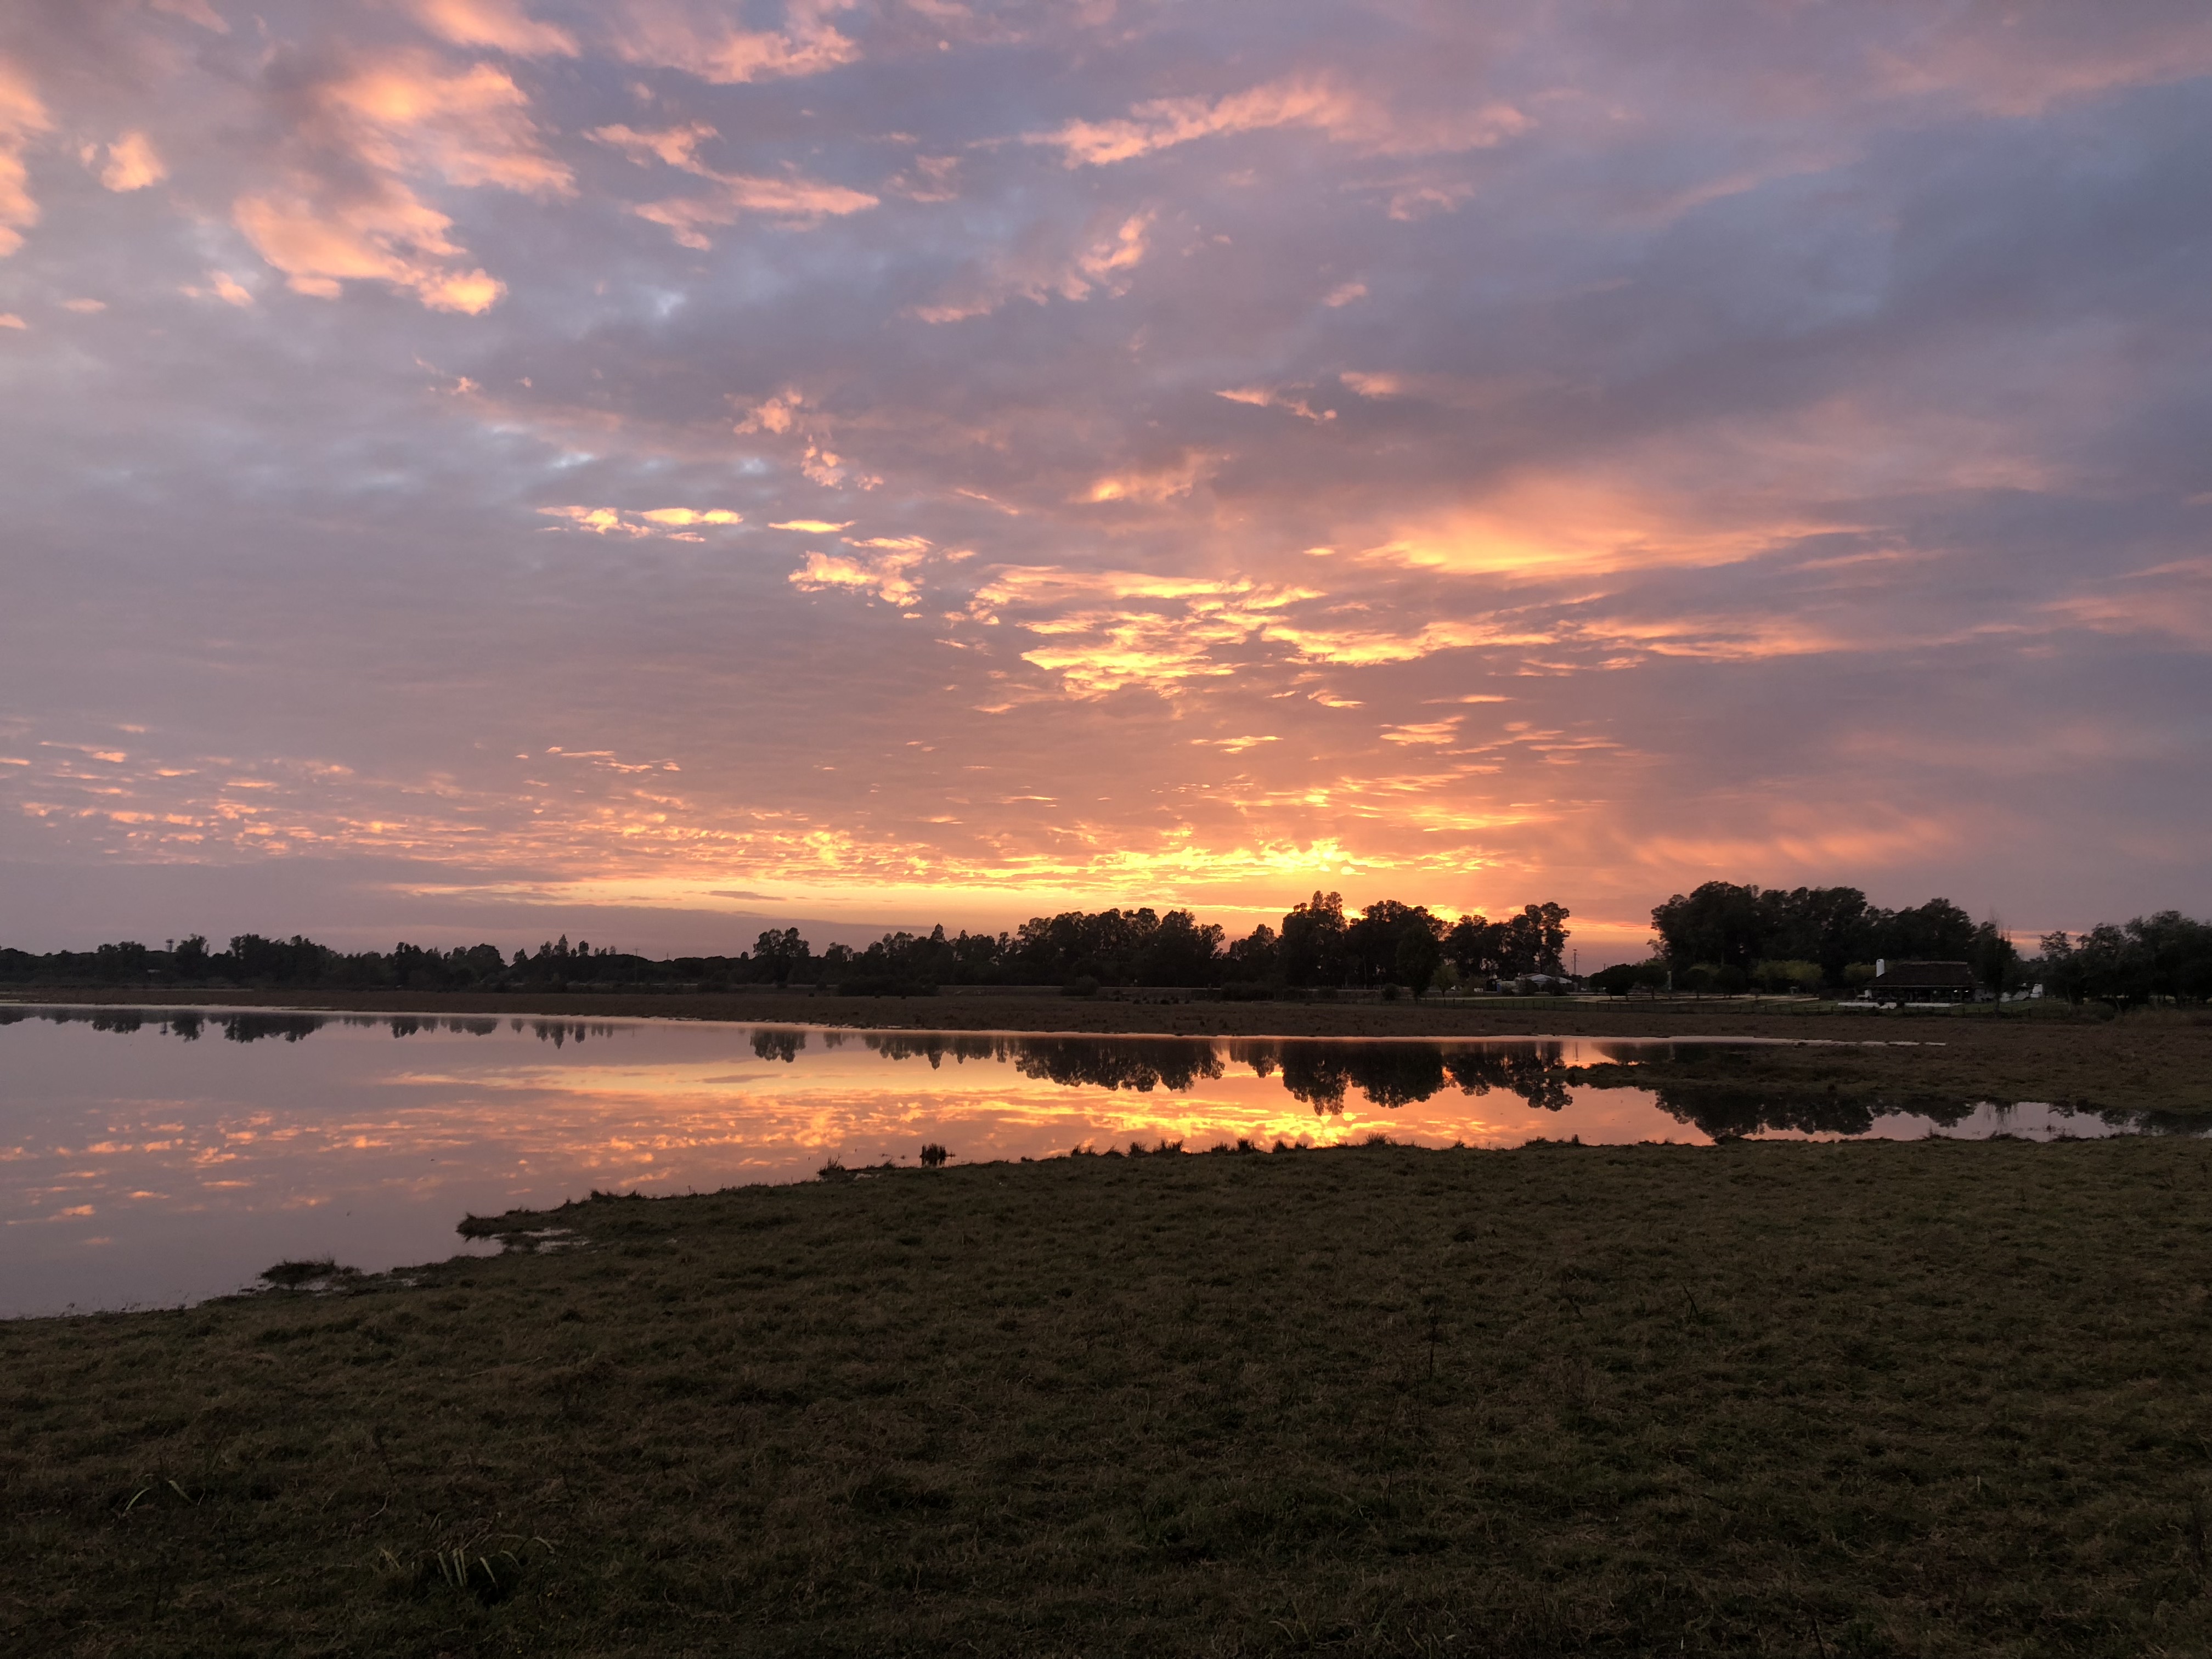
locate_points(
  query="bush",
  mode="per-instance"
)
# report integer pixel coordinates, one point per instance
(1081, 986)
(291, 1274)
(1803, 978)
(1617, 981)
(1716, 979)
(885, 985)
(1246, 991)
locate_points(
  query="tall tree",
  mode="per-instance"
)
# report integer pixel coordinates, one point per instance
(1313, 941)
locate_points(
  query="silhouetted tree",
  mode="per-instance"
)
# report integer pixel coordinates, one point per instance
(1313, 951)
(779, 953)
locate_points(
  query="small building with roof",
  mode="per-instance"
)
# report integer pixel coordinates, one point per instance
(1899, 983)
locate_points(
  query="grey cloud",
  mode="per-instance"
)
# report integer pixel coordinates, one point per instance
(1827, 387)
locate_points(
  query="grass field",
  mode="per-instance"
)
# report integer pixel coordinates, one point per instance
(1903, 1399)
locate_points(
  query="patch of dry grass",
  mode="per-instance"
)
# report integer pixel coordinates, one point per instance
(1927, 1399)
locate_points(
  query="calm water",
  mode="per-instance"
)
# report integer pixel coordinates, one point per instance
(156, 1156)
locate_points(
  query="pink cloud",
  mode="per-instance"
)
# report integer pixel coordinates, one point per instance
(22, 119)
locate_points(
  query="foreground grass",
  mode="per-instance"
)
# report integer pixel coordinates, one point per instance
(1925, 1399)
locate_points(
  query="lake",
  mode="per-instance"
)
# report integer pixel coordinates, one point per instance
(159, 1156)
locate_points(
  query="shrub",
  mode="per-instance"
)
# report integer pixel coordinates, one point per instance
(1801, 977)
(1617, 981)
(291, 1274)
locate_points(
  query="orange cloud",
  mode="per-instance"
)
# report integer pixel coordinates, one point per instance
(796, 201)
(2172, 599)
(674, 522)
(407, 114)
(1372, 124)
(680, 516)
(133, 163)
(1431, 732)
(886, 576)
(502, 25)
(678, 147)
(389, 237)
(22, 118)
(1154, 484)
(222, 285)
(1260, 397)
(1101, 263)
(327, 224)
(1558, 525)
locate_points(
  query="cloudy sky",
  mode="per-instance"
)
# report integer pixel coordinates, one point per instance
(479, 466)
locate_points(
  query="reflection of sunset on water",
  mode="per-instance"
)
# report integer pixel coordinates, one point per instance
(158, 1156)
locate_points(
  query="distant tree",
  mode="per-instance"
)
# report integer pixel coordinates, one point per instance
(1180, 951)
(1534, 942)
(1826, 925)
(1313, 941)
(1256, 956)
(1991, 955)
(2176, 954)
(1473, 946)
(1373, 944)
(1938, 931)
(1719, 922)
(1727, 924)
(1420, 953)
(779, 953)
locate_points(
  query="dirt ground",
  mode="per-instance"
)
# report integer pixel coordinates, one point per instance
(2149, 1061)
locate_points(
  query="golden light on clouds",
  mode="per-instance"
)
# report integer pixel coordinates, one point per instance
(628, 455)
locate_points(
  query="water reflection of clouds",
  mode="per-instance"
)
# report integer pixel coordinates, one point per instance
(195, 1163)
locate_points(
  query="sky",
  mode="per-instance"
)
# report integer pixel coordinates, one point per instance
(647, 468)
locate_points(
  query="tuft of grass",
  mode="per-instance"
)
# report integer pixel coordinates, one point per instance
(1945, 1399)
(318, 1270)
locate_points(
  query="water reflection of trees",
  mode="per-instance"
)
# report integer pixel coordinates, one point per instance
(1723, 1110)
(1395, 1074)
(252, 1025)
(1322, 1074)
(1142, 1064)
(773, 1043)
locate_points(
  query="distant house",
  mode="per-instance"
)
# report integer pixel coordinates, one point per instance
(1923, 981)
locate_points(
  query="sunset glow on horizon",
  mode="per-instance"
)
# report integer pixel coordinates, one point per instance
(481, 468)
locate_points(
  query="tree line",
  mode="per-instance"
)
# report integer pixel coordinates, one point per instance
(1726, 936)
(1318, 946)
(1722, 937)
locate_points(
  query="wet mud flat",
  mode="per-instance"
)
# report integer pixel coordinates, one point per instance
(1928, 1397)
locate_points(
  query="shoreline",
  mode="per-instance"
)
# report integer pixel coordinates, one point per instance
(343, 1011)
(1027, 1013)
